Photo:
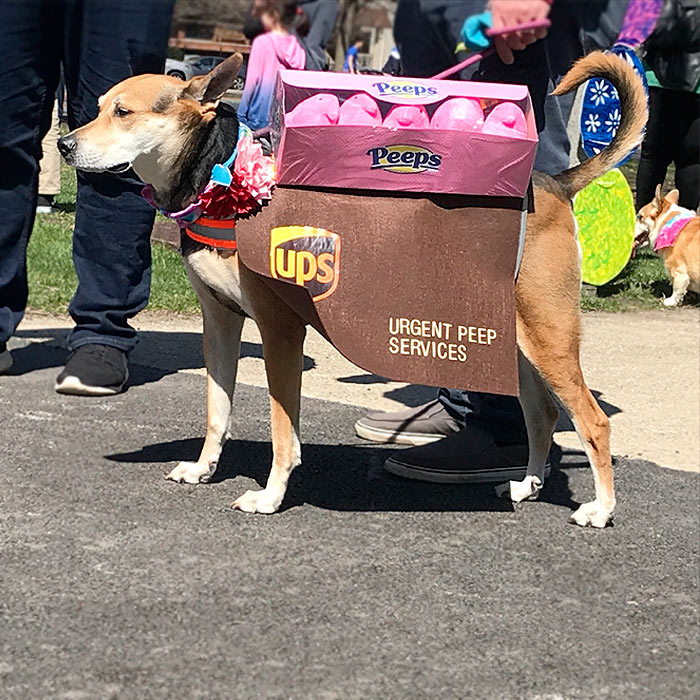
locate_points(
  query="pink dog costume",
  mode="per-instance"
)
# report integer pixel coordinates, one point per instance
(672, 229)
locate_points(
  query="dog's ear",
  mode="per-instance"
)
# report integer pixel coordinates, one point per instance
(672, 196)
(212, 86)
(657, 203)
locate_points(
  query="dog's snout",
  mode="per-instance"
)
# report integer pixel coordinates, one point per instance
(66, 145)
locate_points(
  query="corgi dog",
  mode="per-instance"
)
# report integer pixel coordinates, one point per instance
(674, 233)
(173, 133)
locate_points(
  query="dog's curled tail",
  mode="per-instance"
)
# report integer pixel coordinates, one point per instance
(633, 105)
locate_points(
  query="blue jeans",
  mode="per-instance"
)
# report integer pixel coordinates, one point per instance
(426, 33)
(99, 42)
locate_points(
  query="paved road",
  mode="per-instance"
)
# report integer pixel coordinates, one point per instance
(118, 584)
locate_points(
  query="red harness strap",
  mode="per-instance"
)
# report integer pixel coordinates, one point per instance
(217, 233)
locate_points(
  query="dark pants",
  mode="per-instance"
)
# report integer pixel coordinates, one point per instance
(673, 136)
(427, 32)
(100, 42)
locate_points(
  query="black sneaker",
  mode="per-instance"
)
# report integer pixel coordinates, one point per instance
(5, 359)
(470, 456)
(44, 204)
(415, 426)
(94, 370)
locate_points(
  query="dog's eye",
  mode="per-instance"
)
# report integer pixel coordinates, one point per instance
(121, 111)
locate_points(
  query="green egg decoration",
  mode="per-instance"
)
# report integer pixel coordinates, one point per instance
(605, 214)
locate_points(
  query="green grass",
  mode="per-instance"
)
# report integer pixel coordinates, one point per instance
(641, 285)
(52, 281)
(170, 288)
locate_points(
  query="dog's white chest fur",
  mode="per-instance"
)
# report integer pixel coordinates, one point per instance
(218, 272)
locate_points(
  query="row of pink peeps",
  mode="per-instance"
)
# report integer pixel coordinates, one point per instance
(456, 114)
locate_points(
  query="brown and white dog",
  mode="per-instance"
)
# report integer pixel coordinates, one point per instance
(172, 133)
(674, 233)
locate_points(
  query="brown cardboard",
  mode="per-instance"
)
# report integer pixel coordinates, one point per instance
(417, 288)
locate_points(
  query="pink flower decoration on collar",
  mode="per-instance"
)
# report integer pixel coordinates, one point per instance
(253, 170)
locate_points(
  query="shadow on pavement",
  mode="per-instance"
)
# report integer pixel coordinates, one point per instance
(158, 354)
(349, 478)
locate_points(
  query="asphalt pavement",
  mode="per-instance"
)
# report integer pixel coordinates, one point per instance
(115, 583)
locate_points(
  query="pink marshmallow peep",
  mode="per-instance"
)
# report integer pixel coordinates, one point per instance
(458, 114)
(407, 117)
(506, 119)
(360, 110)
(319, 110)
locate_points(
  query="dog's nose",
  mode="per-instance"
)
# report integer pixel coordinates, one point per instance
(66, 145)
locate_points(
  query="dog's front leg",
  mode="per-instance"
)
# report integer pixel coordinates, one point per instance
(540, 415)
(283, 350)
(222, 342)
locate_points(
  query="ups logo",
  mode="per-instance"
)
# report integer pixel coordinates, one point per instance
(306, 256)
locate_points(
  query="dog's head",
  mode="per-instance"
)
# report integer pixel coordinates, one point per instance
(147, 121)
(650, 215)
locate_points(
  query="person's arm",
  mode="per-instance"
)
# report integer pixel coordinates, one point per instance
(253, 73)
(352, 63)
(506, 13)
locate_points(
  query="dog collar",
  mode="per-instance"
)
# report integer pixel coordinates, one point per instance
(237, 187)
(672, 229)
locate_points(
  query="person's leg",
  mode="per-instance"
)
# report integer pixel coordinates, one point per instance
(658, 146)
(50, 165)
(426, 33)
(107, 42)
(539, 67)
(28, 77)
(500, 416)
(687, 157)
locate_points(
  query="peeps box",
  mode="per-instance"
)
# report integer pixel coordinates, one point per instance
(379, 132)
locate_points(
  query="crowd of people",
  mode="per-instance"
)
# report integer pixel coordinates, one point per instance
(97, 43)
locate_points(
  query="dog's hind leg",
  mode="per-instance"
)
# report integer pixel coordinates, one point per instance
(222, 342)
(541, 415)
(681, 282)
(283, 350)
(558, 364)
(548, 323)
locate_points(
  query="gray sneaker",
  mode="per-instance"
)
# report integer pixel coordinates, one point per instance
(415, 426)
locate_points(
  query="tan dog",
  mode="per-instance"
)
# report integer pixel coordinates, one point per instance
(674, 233)
(172, 134)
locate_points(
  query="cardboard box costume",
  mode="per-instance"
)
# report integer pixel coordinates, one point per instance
(400, 244)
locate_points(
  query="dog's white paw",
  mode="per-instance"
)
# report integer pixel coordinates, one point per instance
(670, 301)
(258, 502)
(593, 514)
(191, 473)
(526, 490)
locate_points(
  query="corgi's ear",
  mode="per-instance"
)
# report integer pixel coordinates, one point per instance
(672, 196)
(211, 87)
(657, 203)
